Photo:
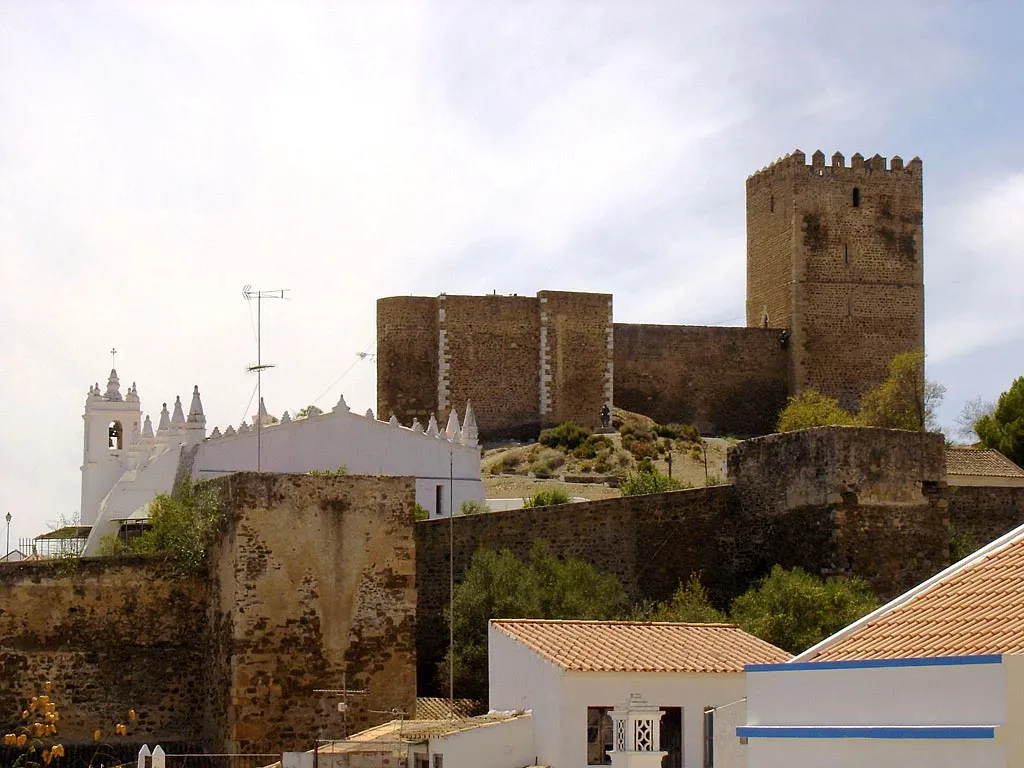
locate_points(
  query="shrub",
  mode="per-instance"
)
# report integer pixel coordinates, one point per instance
(419, 512)
(592, 446)
(546, 497)
(643, 483)
(541, 470)
(812, 409)
(641, 449)
(602, 467)
(567, 435)
(473, 507)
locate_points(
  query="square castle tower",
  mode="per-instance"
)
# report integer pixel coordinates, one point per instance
(834, 256)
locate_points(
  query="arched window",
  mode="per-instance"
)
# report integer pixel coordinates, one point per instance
(856, 197)
(114, 436)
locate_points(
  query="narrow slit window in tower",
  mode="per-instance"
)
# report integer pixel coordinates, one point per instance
(771, 204)
(846, 254)
(114, 436)
(856, 197)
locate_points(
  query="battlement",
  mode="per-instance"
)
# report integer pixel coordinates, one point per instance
(796, 162)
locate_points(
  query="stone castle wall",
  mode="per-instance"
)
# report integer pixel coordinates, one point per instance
(407, 357)
(983, 514)
(311, 586)
(109, 635)
(723, 380)
(835, 255)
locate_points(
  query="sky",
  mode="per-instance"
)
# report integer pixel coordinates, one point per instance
(157, 157)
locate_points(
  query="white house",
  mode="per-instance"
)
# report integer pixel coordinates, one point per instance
(126, 463)
(934, 678)
(574, 675)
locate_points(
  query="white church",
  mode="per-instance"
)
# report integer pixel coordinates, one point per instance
(126, 463)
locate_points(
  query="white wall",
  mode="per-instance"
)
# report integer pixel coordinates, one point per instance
(729, 752)
(362, 445)
(855, 695)
(503, 744)
(926, 695)
(520, 679)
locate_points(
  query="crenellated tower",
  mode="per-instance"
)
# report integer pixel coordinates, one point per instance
(834, 256)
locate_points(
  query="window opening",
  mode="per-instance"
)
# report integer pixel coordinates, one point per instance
(438, 761)
(709, 737)
(599, 735)
(856, 197)
(115, 436)
(439, 500)
(846, 254)
(771, 204)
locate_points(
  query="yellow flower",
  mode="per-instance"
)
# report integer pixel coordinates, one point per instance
(47, 686)
(51, 729)
(44, 700)
(32, 704)
(10, 739)
(97, 734)
(58, 750)
(46, 756)
(38, 729)
(24, 715)
(22, 738)
(131, 714)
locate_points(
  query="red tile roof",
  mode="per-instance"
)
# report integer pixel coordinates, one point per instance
(980, 461)
(624, 646)
(974, 608)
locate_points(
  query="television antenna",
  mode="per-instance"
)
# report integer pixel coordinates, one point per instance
(249, 294)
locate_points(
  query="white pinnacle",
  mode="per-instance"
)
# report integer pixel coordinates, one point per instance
(195, 410)
(469, 430)
(432, 430)
(178, 416)
(165, 420)
(451, 431)
(147, 427)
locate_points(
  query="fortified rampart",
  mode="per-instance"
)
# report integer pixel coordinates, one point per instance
(834, 291)
(837, 500)
(311, 586)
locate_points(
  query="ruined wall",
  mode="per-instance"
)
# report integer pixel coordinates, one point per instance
(313, 588)
(723, 380)
(852, 237)
(110, 635)
(407, 358)
(576, 341)
(984, 513)
(490, 349)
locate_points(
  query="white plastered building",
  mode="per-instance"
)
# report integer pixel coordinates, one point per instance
(934, 679)
(126, 462)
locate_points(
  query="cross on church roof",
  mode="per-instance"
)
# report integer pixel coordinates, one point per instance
(113, 357)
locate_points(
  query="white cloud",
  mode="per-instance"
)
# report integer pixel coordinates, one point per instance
(156, 157)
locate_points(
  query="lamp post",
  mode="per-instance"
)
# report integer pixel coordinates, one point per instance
(8, 519)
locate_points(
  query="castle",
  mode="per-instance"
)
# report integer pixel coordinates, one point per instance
(835, 289)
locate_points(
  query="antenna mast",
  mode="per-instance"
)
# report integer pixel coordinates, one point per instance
(249, 294)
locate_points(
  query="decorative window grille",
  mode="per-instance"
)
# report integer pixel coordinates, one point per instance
(620, 735)
(643, 736)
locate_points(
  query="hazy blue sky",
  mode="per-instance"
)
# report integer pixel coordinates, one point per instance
(157, 156)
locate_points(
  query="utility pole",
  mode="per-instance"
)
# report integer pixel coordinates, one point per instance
(8, 518)
(451, 578)
(249, 294)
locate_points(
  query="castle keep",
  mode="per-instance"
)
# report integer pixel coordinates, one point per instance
(835, 289)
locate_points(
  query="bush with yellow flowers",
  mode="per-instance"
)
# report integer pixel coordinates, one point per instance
(34, 736)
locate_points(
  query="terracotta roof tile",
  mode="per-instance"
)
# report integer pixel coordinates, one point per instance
(980, 461)
(623, 646)
(975, 609)
(431, 708)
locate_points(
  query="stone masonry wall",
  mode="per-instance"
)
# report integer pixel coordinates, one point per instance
(313, 589)
(493, 345)
(576, 350)
(723, 380)
(110, 635)
(407, 358)
(985, 514)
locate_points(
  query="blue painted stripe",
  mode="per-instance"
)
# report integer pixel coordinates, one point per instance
(928, 661)
(866, 732)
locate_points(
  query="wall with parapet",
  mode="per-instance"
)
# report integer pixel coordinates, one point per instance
(723, 380)
(310, 585)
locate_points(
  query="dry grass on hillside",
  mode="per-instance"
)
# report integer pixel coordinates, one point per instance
(517, 470)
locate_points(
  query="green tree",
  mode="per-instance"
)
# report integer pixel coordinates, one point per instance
(497, 585)
(905, 400)
(812, 409)
(181, 526)
(1004, 429)
(794, 609)
(688, 603)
